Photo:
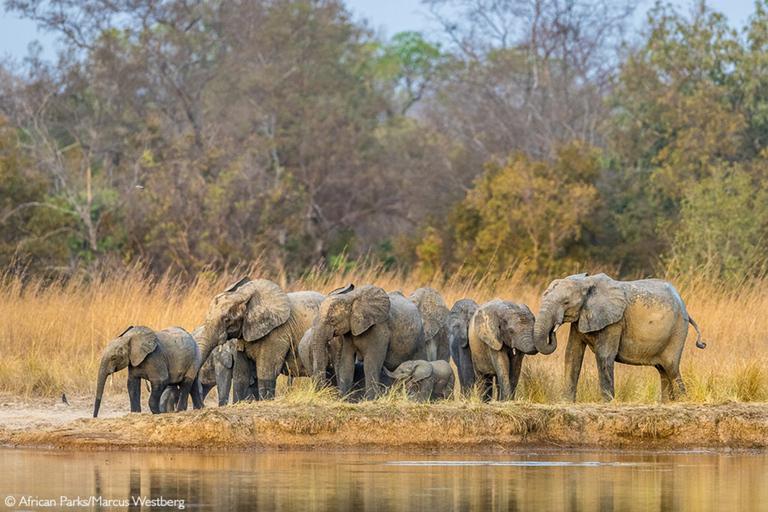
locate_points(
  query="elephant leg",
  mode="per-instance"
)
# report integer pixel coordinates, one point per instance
(425, 388)
(373, 364)
(500, 361)
(467, 371)
(605, 373)
(484, 386)
(154, 397)
(574, 357)
(185, 389)
(168, 399)
(516, 367)
(241, 377)
(677, 387)
(223, 385)
(197, 394)
(134, 393)
(666, 385)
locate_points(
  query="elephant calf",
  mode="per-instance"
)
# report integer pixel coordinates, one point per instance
(428, 378)
(166, 357)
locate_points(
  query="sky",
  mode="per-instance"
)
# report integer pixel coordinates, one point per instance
(386, 17)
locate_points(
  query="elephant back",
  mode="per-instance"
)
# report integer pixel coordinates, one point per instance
(181, 352)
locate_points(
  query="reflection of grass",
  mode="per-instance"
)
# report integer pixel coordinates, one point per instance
(52, 334)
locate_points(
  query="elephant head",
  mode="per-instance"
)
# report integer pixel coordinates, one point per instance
(414, 371)
(349, 311)
(131, 347)
(248, 309)
(434, 312)
(593, 301)
(498, 323)
(458, 322)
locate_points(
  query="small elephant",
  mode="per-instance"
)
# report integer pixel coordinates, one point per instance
(378, 328)
(357, 391)
(166, 357)
(500, 335)
(430, 379)
(634, 322)
(268, 324)
(216, 372)
(458, 335)
(434, 317)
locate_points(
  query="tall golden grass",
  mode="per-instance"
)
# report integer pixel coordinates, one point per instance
(52, 333)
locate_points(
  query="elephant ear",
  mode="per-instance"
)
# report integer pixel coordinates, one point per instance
(604, 304)
(486, 326)
(238, 284)
(526, 309)
(142, 341)
(371, 306)
(224, 356)
(434, 312)
(268, 307)
(343, 290)
(421, 371)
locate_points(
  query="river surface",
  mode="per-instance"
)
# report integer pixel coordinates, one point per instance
(309, 481)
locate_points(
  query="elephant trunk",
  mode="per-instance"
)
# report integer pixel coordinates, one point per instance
(544, 337)
(210, 337)
(104, 372)
(390, 374)
(527, 346)
(321, 336)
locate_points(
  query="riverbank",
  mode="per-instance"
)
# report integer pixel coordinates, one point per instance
(393, 425)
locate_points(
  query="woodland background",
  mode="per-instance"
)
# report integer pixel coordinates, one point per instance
(545, 136)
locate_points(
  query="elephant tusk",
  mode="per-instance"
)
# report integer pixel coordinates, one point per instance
(557, 326)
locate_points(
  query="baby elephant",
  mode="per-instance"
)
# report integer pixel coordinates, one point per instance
(429, 378)
(164, 358)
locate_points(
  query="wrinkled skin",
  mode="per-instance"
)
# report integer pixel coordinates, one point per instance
(216, 371)
(428, 380)
(382, 330)
(268, 324)
(357, 391)
(434, 316)
(166, 357)
(458, 335)
(634, 322)
(500, 335)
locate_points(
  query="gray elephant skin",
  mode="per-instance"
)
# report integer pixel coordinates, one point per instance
(434, 318)
(216, 372)
(500, 334)
(458, 336)
(380, 329)
(166, 357)
(428, 379)
(634, 322)
(357, 391)
(268, 324)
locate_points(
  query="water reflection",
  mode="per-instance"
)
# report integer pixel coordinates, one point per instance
(322, 481)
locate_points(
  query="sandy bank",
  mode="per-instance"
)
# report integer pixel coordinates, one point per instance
(396, 425)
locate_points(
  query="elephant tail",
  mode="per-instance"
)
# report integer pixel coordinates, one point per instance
(698, 341)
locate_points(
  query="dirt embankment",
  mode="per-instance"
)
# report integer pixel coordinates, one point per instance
(398, 425)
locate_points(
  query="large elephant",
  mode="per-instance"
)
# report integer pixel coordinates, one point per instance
(378, 328)
(434, 317)
(458, 335)
(267, 322)
(428, 379)
(357, 391)
(635, 322)
(166, 357)
(500, 335)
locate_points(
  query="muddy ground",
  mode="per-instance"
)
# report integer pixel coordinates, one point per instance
(380, 425)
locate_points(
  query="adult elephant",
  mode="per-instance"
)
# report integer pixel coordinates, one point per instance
(500, 335)
(166, 357)
(458, 335)
(357, 390)
(267, 322)
(434, 317)
(378, 328)
(634, 322)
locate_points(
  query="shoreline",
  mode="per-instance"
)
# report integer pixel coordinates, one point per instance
(443, 427)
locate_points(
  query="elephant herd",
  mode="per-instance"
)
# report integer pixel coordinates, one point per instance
(362, 340)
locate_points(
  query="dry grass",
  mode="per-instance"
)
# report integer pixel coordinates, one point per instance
(52, 334)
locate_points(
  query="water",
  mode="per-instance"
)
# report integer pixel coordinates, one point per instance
(316, 481)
